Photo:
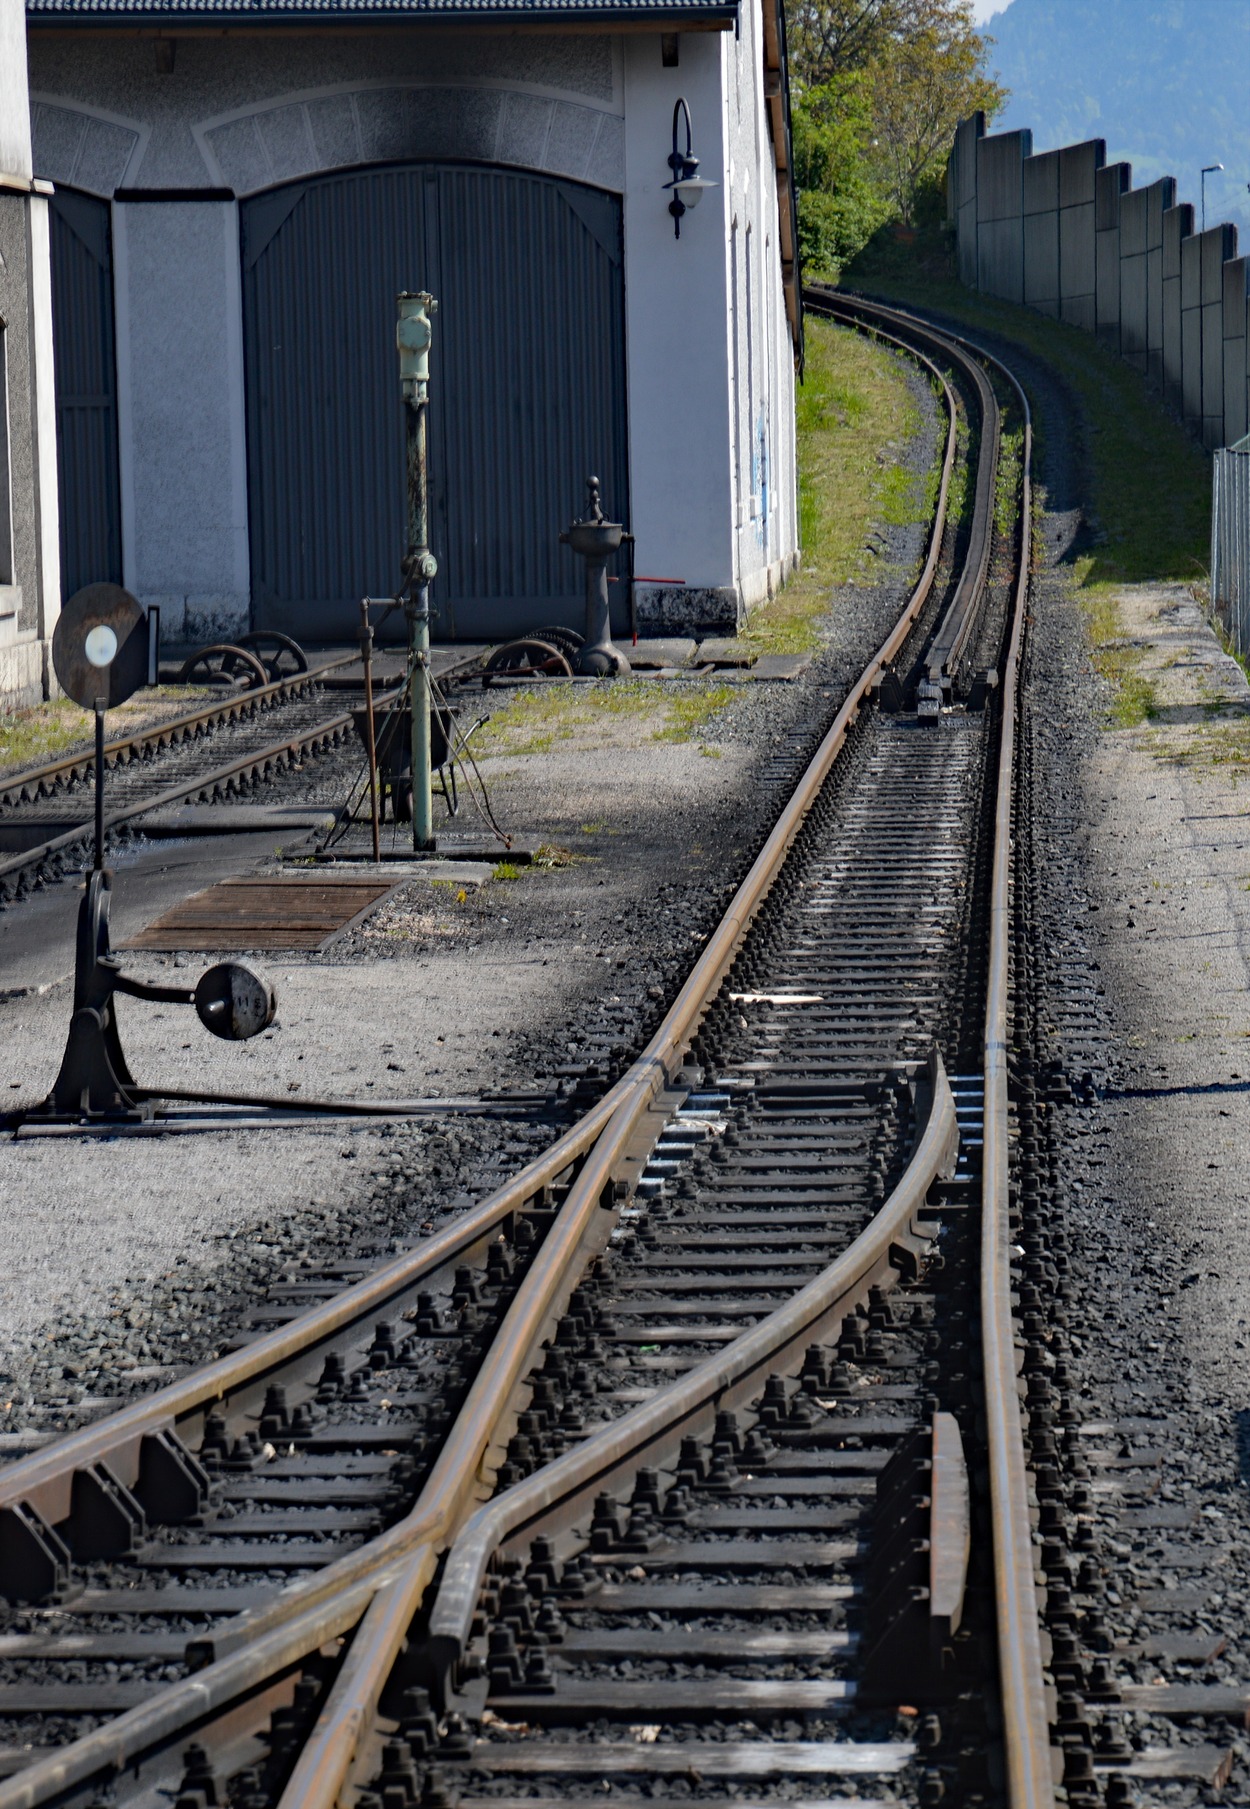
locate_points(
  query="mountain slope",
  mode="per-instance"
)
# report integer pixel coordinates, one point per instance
(1165, 82)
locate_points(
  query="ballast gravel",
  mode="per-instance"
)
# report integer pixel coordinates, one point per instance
(1144, 927)
(129, 1258)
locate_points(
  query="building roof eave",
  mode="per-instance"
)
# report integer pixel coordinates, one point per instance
(188, 16)
(777, 103)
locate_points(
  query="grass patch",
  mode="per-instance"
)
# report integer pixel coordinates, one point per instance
(1148, 493)
(506, 870)
(1136, 700)
(45, 732)
(689, 712)
(31, 737)
(1224, 746)
(853, 403)
(1134, 697)
(620, 710)
(1007, 478)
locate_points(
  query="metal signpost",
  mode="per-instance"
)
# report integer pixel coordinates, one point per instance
(412, 336)
(103, 652)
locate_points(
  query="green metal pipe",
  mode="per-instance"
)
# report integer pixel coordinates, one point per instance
(414, 333)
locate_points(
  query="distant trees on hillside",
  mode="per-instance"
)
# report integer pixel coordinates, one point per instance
(880, 87)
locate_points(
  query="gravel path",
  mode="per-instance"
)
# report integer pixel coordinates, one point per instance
(1144, 936)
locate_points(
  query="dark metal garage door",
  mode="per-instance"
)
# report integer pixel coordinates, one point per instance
(527, 390)
(86, 391)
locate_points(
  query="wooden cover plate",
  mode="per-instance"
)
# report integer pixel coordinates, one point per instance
(265, 914)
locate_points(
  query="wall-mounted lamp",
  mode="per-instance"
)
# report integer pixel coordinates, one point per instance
(1208, 170)
(687, 185)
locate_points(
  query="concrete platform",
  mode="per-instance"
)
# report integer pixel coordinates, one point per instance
(653, 655)
(725, 650)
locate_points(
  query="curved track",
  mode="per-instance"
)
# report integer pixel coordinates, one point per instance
(551, 1473)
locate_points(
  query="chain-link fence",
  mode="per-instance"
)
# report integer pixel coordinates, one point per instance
(1230, 542)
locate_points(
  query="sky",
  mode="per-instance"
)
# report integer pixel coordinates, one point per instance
(984, 9)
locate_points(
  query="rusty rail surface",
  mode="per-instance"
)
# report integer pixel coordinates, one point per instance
(1030, 1777)
(383, 1580)
(215, 715)
(278, 750)
(254, 763)
(653, 1428)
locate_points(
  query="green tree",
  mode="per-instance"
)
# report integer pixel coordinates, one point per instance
(841, 202)
(882, 84)
(924, 81)
(833, 38)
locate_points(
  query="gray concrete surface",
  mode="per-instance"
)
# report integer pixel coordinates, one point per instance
(1167, 839)
(352, 1023)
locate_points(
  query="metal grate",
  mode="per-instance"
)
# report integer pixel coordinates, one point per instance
(266, 914)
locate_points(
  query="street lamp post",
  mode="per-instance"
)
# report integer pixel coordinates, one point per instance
(1208, 170)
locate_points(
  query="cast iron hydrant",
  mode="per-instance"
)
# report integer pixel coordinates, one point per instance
(595, 540)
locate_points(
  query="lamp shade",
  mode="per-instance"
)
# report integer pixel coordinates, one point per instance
(692, 188)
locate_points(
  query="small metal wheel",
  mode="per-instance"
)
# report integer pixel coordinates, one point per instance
(278, 653)
(567, 640)
(530, 658)
(224, 665)
(401, 803)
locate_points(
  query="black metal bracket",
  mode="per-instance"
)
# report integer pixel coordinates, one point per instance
(95, 1083)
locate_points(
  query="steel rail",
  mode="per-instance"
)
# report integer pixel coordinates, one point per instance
(946, 653)
(216, 715)
(1026, 1733)
(298, 744)
(294, 746)
(658, 1425)
(47, 1476)
(1030, 1773)
(725, 1379)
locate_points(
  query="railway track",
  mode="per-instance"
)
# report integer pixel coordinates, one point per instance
(692, 1462)
(45, 811)
(219, 751)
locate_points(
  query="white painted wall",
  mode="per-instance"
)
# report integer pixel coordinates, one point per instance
(15, 159)
(679, 368)
(712, 467)
(30, 601)
(181, 414)
(766, 510)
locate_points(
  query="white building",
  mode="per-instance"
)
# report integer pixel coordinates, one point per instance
(30, 585)
(243, 186)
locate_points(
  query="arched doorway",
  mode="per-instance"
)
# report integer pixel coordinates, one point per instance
(527, 389)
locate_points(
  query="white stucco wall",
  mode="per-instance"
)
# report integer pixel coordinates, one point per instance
(181, 414)
(711, 412)
(766, 509)
(676, 306)
(15, 158)
(30, 563)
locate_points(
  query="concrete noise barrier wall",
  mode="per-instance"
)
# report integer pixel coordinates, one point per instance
(1067, 233)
